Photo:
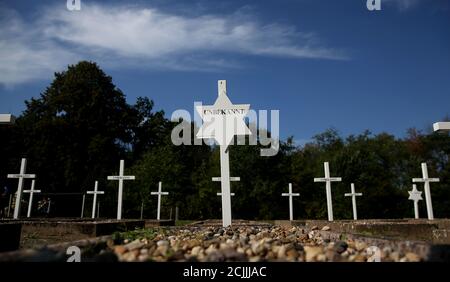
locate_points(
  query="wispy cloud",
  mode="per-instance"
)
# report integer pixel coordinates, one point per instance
(130, 36)
(403, 5)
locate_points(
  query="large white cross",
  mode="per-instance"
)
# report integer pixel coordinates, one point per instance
(222, 121)
(20, 176)
(159, 193)
(353, 195)
(416, 196)
(426, 185)
(30, 200)
(327, 179)
(121, 178)
(94, 201)
(291, 206)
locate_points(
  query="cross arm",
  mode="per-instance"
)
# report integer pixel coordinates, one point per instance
(425, 180)
(32, 191)
(441, 126)
(125, 177)
(22, 175)
(289, 194)
(95, 192)
(351, 194)
(218, 179)
(324, 179)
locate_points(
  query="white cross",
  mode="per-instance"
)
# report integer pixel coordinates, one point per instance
(291, 206)
(20, 176)
(30, 200)
(441, 126)
(426, 185)
(416, 196)
(222, 121)
(159, 193)
(327, 179)
(121, 178)
(95, 192)
(353, 195)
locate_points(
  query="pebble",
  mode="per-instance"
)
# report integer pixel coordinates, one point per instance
(412, 257)
(326, 228)
(136, 244)
(360, 246)
(340, 247)
(312, 252)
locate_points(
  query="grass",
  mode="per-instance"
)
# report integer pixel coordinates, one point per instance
(146, 233)
(183, 222)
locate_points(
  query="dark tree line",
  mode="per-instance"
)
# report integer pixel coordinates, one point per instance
(79, 128)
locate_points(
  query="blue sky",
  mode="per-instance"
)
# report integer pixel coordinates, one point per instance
(321, 63)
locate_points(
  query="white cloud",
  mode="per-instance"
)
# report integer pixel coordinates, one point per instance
(403, 5)
(130, 36)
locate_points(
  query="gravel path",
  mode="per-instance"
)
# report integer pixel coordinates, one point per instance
(244, 243)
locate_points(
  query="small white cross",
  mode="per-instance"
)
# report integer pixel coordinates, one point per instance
(30, 200)
(121, 178)
(159, 193)
(291, 206)
(416, 196)
(95, 192)
(353, 195)
(426, 184)
(327, 179)
(21, 176)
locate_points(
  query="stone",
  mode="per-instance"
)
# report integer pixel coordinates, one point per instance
(340, 247)
(281, 253)
(360, 246)
(312, 252)
(412, 257)
(394, 256)
(326, 228)
(120, 250)
(321, 257)
(196, 250)
(162, 243)
(143, 257)
(136, 244)
(292, 255)
(315, 227)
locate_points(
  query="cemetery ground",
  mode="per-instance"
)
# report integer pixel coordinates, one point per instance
(402, 240)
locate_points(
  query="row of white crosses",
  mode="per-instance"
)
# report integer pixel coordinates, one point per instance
(414, 195)
(121, 177)
(23, 175)
(327, 179)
